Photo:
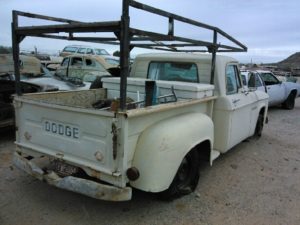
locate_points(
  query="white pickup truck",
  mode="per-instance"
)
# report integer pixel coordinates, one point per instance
(103, 153)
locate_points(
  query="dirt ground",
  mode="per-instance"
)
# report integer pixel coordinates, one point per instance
(258, 182)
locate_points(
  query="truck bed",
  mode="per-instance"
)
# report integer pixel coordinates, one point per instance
(65, 126)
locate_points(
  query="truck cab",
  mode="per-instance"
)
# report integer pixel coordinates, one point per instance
(236, 109)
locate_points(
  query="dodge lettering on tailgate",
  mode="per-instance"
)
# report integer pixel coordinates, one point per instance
(61, 129)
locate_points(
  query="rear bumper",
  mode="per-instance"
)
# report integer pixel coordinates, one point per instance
(75, 184)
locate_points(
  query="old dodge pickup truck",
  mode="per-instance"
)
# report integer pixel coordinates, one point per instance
(198, 108)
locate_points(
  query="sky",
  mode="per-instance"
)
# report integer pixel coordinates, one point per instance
(269, 28)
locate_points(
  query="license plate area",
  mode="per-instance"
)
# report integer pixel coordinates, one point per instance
(65, 169)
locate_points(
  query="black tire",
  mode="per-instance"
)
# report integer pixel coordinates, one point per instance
(186, 178)
(259, 125)
(289, 102)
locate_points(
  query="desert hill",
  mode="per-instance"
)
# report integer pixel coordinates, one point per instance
(290, 63)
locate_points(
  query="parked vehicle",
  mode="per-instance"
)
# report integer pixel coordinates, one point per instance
(28, 65)
(34, 78)
(81, 67)
(52, 64)
(31, 69)
(7, 89)
(279, 92)
(33, 72)
(149, 131)
(82, 49)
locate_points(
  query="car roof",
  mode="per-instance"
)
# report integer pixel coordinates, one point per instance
(80, 46)
(263, 71)
(84, 46)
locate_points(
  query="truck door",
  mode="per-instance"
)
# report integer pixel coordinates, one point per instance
(241, 105)
(62, 71)
(76, 68)
(275, 89)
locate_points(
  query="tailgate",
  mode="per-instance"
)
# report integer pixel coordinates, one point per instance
(77, 135)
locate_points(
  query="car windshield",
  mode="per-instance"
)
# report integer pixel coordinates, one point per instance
(268, 77)
(101, 52)
(112, 61)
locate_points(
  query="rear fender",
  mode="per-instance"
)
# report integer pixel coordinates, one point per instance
(162, 146)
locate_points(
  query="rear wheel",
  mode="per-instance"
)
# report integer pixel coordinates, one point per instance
(186, 178)
(289, 102)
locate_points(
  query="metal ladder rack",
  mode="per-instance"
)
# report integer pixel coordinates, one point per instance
(123, 35)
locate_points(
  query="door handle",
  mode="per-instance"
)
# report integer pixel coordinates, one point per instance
(235, 100)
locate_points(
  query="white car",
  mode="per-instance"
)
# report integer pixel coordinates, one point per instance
(82, 49)
(279, 92)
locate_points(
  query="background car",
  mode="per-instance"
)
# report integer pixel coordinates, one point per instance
(279, 92)
(7, 89)
(82, 67)
(82, 49)
(28, 64)
(31, 71)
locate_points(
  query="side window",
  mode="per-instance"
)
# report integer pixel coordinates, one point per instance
(90, 63)
(81, 50)
(244, 79)
(252, 80)
(65, 62)
(258, 81)
(233, 82)
(89, 51)
(76, 61)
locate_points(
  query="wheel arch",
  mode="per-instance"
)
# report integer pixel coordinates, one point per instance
(160, 149)
(295, 92)
(264, 112)
(289, 102)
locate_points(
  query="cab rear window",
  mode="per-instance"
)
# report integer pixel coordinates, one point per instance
(173, 71)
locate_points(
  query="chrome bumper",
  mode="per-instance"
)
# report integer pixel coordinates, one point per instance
(70, 183)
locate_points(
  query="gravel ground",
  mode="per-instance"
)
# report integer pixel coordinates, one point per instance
(257, 182)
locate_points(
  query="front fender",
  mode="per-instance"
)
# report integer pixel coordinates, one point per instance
(162, 146)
